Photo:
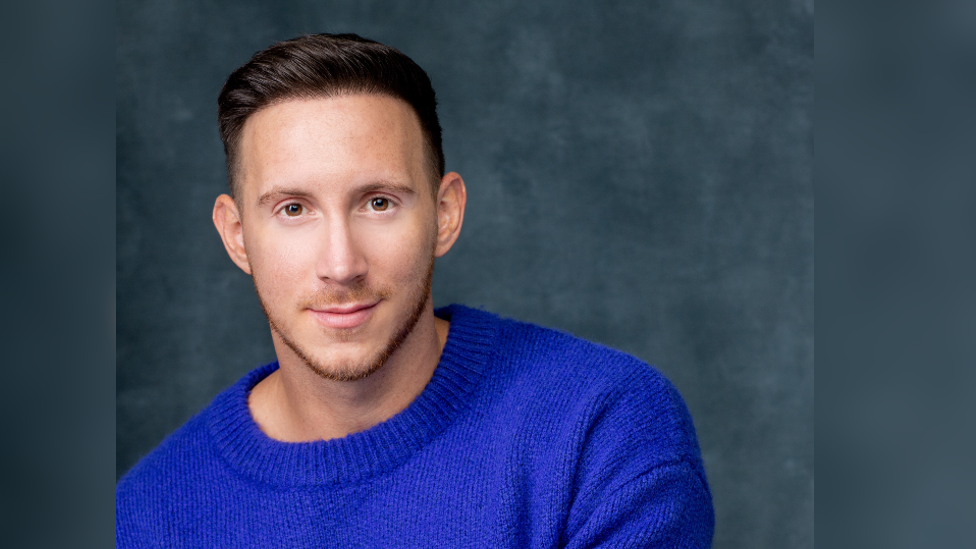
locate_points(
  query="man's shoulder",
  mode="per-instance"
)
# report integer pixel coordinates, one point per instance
(187, 452)
(559, 355)
(179, 451)
(164, 490)
(544, 365)
(615, 415)
(150, 490)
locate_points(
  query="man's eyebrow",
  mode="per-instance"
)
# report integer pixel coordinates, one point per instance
(281, 191)
(388, 186)
(378, 186)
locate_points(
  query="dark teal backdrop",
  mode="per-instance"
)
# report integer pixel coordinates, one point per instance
(639, 174)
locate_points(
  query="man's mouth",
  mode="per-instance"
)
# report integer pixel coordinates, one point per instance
(344, 316)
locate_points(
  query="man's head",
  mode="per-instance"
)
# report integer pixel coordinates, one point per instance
(333, 214)
(326, 65)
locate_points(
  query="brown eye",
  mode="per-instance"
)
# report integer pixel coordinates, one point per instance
(379, 204)
(294, 210)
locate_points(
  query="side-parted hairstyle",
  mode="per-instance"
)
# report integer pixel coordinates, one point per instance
(326, 65)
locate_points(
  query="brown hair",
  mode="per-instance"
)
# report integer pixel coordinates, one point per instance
(326, 65)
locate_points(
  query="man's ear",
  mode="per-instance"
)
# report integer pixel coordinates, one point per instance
(451, 198)
(227, 219)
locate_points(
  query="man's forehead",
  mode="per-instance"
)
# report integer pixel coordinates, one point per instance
(367, 137)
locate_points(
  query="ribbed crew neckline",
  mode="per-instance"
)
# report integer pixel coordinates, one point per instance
(359, 456)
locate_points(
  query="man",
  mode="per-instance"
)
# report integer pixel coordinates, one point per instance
(385, 423)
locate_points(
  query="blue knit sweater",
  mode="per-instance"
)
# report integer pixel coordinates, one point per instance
(524, 437)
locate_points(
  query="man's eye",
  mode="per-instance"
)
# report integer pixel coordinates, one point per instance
(293, 210)
(379, 204)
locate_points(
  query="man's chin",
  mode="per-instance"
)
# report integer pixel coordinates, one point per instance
(346, 371)
(345, 360)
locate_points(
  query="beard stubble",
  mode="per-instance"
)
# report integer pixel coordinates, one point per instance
(360, 292)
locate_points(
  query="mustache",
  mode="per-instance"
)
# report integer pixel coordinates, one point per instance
(362, 292)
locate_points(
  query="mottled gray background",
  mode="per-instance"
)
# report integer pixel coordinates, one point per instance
(639, 174)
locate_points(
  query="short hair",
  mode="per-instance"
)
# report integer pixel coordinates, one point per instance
(326, 65)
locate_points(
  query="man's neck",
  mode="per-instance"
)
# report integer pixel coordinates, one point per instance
(294, 404)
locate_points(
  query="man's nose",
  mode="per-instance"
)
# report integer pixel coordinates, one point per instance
(342, 260)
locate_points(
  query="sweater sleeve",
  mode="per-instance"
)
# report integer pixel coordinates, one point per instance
(667, 507)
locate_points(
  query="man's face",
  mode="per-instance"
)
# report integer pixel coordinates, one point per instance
(339, 227)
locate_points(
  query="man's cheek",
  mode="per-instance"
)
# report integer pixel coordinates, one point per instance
(280, 272)
(400, 249)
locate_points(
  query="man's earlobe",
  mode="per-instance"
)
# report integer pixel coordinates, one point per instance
(451, 199)
(227, 220)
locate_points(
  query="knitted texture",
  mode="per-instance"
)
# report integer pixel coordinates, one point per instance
(524, 437)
